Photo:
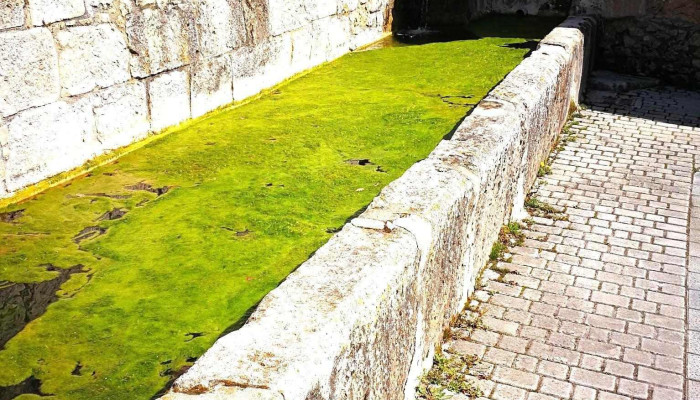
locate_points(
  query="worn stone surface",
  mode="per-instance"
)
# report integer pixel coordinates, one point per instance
(121, 115)
(255, 68)
(46, 11)
(220, 26)
(593, 305)
(4, 138)
(212, 85)
(28, 60)
(366, 326)
(364, 284)
(169, 97)
(288, 15)
(91, 57)
(161, 39)
(32, 153)
(11, 14)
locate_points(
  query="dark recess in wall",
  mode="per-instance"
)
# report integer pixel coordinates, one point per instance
(659, 47)
(412, 14)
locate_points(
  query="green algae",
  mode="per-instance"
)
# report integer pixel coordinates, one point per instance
(246, 195)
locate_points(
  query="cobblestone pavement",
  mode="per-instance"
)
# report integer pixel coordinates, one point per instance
(605, 303)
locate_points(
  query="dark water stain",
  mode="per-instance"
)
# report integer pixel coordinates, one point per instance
(149, 188)
(359, 161)
(21, 303)
(111, 196)
(30, 385)
(89, 233)
(11, 216)
(459, 100)
(77, 370)
(112, 215)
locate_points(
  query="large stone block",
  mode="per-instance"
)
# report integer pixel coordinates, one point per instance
(288, 15)
(91, 57)
(161, 39)
(255, 68)
(212, 85)
(47, 140)
(4, 137)
(11, 14)
(47, 11)
(121, 115)
(169, 97)
(220, 26)
(29, 66)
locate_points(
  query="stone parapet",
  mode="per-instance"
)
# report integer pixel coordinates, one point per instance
(361, 318)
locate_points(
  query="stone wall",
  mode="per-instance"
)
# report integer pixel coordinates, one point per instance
(83, 77)
(687, 10)
(662, 48)
(360, 319)
(655, 38)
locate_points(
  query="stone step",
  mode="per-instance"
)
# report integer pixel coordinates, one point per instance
(609, 81)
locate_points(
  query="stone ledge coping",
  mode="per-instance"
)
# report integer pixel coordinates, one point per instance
(361, 318)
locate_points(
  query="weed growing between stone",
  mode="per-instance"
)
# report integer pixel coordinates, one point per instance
(510, 235)
(178, 240)
(566, 136)
(451, 373)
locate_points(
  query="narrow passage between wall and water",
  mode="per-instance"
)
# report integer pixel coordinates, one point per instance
(113, 283)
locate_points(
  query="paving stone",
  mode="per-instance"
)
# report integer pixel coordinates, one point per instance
(694, 367)
(596, 308)
(694, 342)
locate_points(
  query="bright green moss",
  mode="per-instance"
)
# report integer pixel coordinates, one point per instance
(255, 190)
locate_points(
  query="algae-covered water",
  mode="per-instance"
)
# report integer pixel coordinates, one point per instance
(117, 280)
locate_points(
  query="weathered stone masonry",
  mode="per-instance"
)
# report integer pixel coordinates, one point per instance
(361, 318)
(81, 77)
(655, 38)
